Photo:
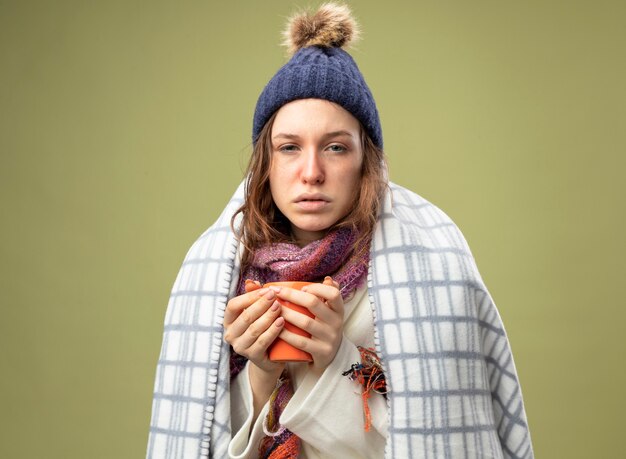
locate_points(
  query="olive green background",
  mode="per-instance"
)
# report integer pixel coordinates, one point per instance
(125, 126)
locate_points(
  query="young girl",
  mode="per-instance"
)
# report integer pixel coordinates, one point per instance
(409, 356)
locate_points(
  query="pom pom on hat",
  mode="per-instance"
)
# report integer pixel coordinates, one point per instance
(320, 69)
(331, 26)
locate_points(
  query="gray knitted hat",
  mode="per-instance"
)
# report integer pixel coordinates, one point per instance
(320, 69)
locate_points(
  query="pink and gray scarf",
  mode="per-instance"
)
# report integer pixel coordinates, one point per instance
(334, 255)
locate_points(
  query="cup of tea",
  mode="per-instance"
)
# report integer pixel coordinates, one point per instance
(280, 350)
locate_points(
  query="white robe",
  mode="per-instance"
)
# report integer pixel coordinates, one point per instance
(326, 410)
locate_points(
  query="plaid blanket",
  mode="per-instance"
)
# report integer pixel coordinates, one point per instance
(453, 387)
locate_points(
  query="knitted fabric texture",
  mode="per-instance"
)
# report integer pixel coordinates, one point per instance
(320, 73)
(334, 255)
(279, 442)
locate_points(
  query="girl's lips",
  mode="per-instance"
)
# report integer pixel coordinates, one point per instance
(312, 205)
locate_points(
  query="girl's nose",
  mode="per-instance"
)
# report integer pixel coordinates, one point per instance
(312, 169)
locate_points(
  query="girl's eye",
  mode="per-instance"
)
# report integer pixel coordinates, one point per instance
(337, 148)
(287, 148)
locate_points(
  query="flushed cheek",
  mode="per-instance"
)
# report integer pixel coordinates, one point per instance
(348, 184)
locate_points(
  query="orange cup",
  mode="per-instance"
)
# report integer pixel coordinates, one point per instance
(280, 350)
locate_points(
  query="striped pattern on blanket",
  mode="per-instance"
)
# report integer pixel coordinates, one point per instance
(453, 387)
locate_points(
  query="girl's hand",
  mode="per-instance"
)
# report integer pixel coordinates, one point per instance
(252, 323)
(326, 329)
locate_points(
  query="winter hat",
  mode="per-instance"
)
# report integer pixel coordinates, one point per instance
(319, 68)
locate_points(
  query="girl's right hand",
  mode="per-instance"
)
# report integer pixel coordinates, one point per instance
(252, 323)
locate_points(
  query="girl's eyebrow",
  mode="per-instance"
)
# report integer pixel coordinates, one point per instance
(286, 136)
(338, 134)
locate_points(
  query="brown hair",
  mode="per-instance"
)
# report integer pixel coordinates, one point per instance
(263, 223)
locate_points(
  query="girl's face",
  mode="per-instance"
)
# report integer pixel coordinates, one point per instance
(316, 164)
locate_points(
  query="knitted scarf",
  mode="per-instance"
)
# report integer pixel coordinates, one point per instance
(334, 255)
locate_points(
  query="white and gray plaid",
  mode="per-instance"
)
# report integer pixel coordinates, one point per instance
(453, 387)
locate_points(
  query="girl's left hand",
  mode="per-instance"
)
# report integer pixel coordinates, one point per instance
(326, 329)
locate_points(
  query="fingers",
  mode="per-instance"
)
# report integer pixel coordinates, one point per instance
(251, 285)
(256, 338)
(330, 281)
(248, 315)
(236, 305)
(312, 326)
(329, 292)
(322, 351)
(322, 300)
(265, 339)
(257, 327)
(252, 323)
